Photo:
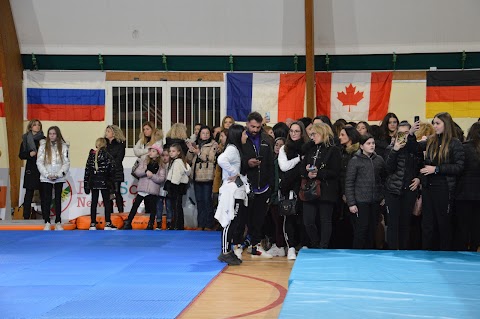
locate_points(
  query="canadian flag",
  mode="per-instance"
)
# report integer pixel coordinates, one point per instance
(353, 96)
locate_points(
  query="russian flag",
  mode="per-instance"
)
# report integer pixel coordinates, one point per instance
(2, 107)
(280, 96)
(65, 96)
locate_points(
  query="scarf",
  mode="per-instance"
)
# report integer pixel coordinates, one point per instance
(294, 148)
(28, 140)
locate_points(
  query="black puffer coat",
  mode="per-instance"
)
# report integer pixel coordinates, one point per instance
(364, 180)
(117, 150)
(31, 178)
(451, 168)
(468, 187)
(402, 166)
(104, 176)
(329, 174)
(347, 154)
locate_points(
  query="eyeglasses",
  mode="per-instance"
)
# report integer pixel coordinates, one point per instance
(295, 132)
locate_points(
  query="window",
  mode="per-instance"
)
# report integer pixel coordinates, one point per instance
(164, 103)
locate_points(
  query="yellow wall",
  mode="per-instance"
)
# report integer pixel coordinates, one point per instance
(3, 144)
(408, 99)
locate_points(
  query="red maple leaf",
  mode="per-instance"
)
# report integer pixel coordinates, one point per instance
(350, 98)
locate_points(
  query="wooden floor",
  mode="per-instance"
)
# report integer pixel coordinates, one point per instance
(254, 289)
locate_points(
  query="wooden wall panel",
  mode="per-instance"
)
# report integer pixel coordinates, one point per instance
(11, 69)
(165, 76)
(409, 75)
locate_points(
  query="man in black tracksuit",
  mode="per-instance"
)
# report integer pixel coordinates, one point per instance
(258, 158)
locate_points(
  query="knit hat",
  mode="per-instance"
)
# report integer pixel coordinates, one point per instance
(158, 147)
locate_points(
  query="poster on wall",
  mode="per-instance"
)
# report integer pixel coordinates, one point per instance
(76, 203)
(4, 194)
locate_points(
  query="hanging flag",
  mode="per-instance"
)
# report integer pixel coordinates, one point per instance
(455, 92)
(275, 95)
(65, 96)
(353, 96)
(2, 106)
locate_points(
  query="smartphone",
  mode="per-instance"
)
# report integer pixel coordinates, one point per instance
(402, 136)
(260, 157)
(238, 181)
(416, 118)
(312, 168)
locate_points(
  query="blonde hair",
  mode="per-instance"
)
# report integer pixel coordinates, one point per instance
(426, 129)
(117, 133)
(32, 123)
(325, 131)
(227, 117)
(178, 130)
(157, 134)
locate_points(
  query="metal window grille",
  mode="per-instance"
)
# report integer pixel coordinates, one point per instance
(132, 106)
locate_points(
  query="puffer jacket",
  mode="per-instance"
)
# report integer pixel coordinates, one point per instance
(59, 165)
(468, 187)
(204, 163)
(117, 150)
(364, 179)
(328, 169)
(263, 175)
(451, 168)
(152, 185)
(102, 175)
(347, 154)
(402, 167)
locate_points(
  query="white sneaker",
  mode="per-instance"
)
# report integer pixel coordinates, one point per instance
(110, 226)
(276, 251)
(291, 254)
(93, 226)
(238, 250)
(58, 226)
(258, 251)
(249, 249)
(47, 226)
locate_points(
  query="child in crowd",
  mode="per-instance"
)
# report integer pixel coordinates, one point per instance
(363, 190)
(100, 177)
(164, 200)
(151, 175)
(53, 164)
(177, 183)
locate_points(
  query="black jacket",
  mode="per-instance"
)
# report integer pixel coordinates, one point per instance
(31, 178)
(117, 150)
(328, 172)
(468, 186)
(402, 166)
(451, 168)
(347, 154)
(364, 180)
(263, 175)
(104, 176)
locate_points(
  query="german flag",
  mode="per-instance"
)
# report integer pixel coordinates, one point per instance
(455, 92)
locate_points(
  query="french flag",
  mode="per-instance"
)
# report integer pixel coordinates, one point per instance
(2, 106)
(274, 95)
(65, 96)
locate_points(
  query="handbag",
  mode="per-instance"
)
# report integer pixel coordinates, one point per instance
(310, 189)
(134, 168)
(286, 206)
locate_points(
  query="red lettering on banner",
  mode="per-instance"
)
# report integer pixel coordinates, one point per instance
(131, 189)
(81, 187)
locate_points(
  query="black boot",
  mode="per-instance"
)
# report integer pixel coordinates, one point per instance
(149, 226)
(127, 225)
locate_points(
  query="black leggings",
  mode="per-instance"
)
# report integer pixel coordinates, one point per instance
(233, 232)
(150, 207)
(118, 198)
(46, 195)
(106, 202)
(27, 203)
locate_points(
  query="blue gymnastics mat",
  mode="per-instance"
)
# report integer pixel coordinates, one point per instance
(383, 284)
(104, 274)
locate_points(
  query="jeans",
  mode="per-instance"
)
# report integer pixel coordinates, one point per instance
(203, 195)
(168, 205)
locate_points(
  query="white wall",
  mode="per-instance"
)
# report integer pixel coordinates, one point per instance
(247, 27)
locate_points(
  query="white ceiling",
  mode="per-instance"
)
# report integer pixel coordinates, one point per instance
(245, 27)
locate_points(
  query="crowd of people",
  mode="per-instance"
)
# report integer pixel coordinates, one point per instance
(305, 183)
